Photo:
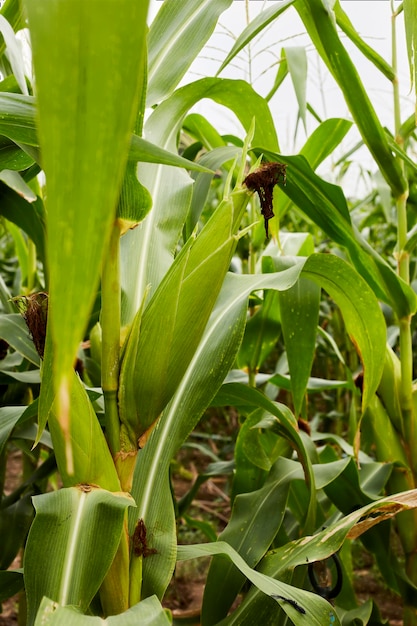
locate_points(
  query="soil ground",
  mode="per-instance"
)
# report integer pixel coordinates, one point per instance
(212, 505)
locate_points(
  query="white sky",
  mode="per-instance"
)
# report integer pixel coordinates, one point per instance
(371, 18)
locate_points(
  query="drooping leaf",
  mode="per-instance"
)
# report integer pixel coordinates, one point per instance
(297, 66)
(298, 604)
(361, 312)
(315, 548)
(319, 21)
(326, 205)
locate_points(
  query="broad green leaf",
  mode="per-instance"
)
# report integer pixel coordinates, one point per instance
(297, 66)
(87, 61)
(319, 21)
(297, 603)
(360, 309)
(299, 307)
(256, 518)
(13, 329)
(149, 612)
(148, 252)
(176, 36)
(71, 545)
(315, 548)
(92, 461)
(256, 25)
(91, 456)
(14, 181)
(326, 205)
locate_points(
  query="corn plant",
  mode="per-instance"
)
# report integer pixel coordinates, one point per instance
(123, 266)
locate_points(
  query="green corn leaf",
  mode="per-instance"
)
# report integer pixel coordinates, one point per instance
(218, 346)
(71, 545)
(318, 547)
(361, 312)
(319, 20)
(92, 461)
(87, 61)
(297, 603)
(324, 139)
(13, 12)
(17, 118)
(11, 582)
(410, 20)
(345, 24)
(297, 67)
(147, 152)
(13, 329)
(261, 334)
(148, 252)
(326, 205)
(299, 307)
(176, 36)
(175, 320)
(280, 76)
(9, 416)
(15, 521)
(14, 53)
(256, 25)
(149, 612)
(256, 519)
(12, 157)
(29, 216)
(200, 129)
